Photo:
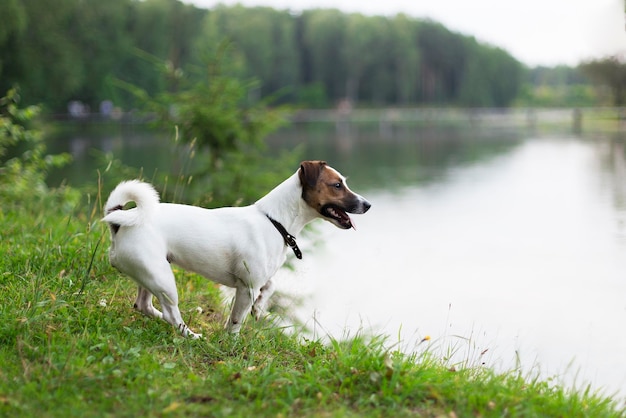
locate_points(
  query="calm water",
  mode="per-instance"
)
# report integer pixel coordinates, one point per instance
(506, 248)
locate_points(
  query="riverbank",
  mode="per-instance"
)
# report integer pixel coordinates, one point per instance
(577, 118)
(71, 345)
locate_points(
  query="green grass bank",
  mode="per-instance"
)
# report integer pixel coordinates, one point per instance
(72, 346)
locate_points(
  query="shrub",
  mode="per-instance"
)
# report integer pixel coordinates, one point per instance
(24, 163)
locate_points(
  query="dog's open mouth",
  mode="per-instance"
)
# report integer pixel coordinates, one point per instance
(338, 215)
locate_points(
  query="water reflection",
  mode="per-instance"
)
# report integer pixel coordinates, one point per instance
(410, 156)
(133, 145)
(518, 251)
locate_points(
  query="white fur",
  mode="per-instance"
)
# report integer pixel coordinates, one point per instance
(235, 246)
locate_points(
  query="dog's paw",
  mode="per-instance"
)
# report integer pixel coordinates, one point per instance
(192, 335)
(259, 309)
(188, 333)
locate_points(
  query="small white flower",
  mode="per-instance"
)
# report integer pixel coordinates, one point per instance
(103, 303)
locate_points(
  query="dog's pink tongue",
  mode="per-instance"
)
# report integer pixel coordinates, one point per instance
(353, 224)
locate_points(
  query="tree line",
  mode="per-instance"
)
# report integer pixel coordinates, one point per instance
(316, 58)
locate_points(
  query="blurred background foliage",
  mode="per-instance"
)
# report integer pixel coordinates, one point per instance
(24, 163)
(218, 133)
(314, 59)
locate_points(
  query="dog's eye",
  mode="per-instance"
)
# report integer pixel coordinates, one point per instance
(338, 185)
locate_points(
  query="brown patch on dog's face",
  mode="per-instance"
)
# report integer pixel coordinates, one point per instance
(326, 191)
(309, 172)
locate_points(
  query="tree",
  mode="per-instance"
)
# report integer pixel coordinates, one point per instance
(491, 77)
(323, 40)
(25, 173)
(609, 72)
(405, 59)
(265, 45)
(443, 56)
(12, 27)
(316, 58)
(98, 30)
(50, 57)
(162, 34)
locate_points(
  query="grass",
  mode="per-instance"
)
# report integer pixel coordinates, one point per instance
(72, 346)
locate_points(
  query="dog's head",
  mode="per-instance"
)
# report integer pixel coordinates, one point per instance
(325, 190)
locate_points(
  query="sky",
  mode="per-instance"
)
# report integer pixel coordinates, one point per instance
(536, 32)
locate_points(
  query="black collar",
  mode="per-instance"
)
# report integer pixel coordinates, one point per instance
(290, 240)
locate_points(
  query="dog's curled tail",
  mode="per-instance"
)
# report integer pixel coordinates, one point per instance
(143, 194)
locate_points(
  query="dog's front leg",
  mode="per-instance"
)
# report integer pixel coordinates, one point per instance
(259, 307)
(244, 296)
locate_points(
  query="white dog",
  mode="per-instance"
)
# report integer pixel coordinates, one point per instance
(240, 247)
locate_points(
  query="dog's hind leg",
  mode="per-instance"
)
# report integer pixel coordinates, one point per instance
(143, 303)
(260, 304)
(244, 296)
(163, 286)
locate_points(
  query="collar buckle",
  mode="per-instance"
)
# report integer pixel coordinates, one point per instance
(290, 240)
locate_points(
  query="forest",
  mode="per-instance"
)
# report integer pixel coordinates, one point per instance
(84, 49)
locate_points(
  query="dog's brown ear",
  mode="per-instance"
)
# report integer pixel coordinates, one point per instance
(309, 173)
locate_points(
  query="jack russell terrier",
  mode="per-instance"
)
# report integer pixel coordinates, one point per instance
(239, 247)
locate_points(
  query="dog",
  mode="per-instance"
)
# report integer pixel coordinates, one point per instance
(239, 247)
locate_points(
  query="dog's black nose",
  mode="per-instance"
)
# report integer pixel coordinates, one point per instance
(366, 206)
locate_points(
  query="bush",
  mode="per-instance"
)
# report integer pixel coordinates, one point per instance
(24, 163)
(219, 129)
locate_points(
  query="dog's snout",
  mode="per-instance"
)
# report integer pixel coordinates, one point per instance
(360, 206)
